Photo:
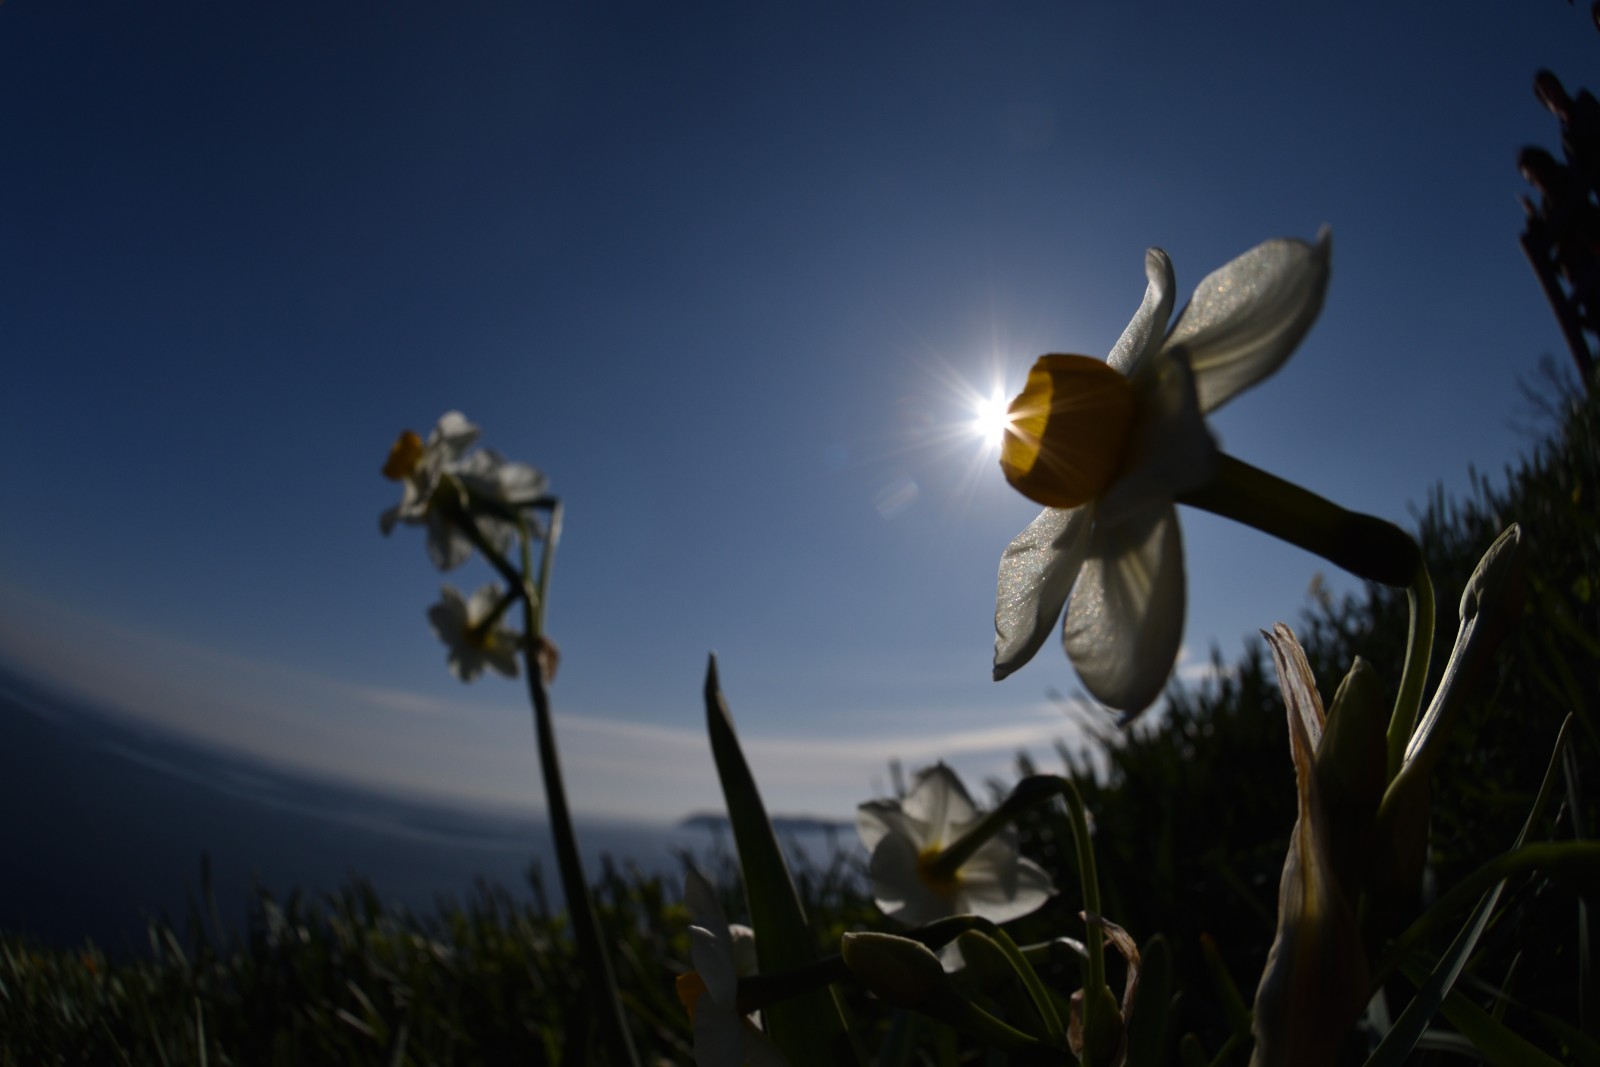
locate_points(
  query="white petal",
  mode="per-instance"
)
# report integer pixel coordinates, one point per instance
(941, 802)
(1143, 335)
(1036, 575)
(1005, 893)
(1171, 451)
(453, 435)
(714, 962)
(742, 949)
(449, 615)
(447, 548)
(718, 1035)
(1126, 617)
(898, 889)
(1247, 317)
(520, 483)
(501, 654)
(876, 819)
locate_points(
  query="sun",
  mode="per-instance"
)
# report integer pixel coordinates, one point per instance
(990, 419)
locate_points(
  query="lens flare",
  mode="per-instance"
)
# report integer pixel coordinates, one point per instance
(989, 419)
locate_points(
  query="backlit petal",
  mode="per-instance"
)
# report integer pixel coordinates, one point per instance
(1143, 336)
(876, 819)
(1001, 893)
(1247, 316)
(1037, 571)
(896, 886)
(713, 959)
(1170, 452)
(1125, 621)
(941, 802)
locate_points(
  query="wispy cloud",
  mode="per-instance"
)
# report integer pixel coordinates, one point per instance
(448, 748)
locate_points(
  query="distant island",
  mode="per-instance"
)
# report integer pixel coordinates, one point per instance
(783, 824)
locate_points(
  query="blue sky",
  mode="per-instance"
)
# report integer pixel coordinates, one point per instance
(731, 275)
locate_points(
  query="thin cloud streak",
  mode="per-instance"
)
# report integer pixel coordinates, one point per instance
(474, 750)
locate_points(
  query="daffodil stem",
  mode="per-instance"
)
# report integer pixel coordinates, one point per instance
(1414, 675)
(1366, 546)
(546, 561)
(601, 986)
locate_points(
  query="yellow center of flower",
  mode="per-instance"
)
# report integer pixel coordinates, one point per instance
(403, 456)
(1067, 431)
(691, 987)
(943, 885)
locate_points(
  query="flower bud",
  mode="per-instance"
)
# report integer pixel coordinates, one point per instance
(902, 972)
(1351, 772)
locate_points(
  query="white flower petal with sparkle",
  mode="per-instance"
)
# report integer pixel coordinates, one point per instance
(1143, 336)
(1037, 572)
(1125, 622)
(1247, 317)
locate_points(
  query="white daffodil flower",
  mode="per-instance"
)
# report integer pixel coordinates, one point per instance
(721, 952)
(489, 488)
(459, 623)
(906, 838)
(1108, 447)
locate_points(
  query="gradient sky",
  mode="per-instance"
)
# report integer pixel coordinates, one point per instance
(732, 275)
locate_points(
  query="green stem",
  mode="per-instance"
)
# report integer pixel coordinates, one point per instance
(602, 987)
(1414, 675)
(1365, 546)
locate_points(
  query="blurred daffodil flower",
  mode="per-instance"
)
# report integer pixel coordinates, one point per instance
(470, 629)
(1108, 448)
(721, 952)
(925, 866)
(445, 478)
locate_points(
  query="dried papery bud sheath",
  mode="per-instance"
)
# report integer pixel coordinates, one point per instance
(1067, 430)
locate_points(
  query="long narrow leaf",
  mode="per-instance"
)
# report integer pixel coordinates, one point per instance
(1402, 1037)
(1147, 1027)
(808, 1028)
(1495, 1041)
